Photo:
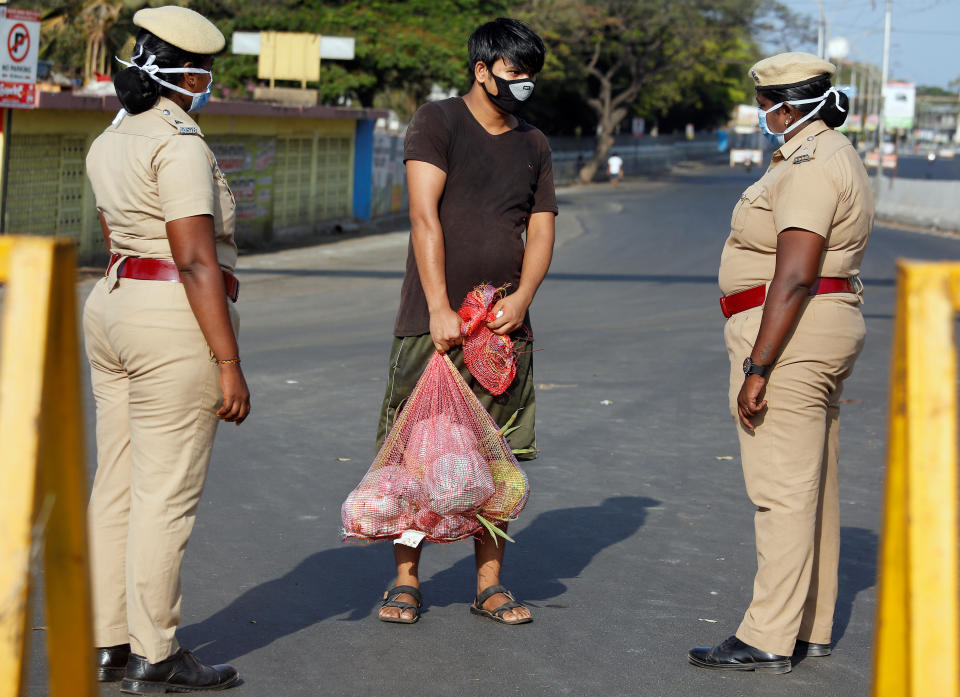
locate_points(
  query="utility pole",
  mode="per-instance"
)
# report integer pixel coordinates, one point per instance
(857, 92)
(883, 83)
(821, 32)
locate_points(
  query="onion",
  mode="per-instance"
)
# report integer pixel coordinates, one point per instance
(458, 482)
(431, 438)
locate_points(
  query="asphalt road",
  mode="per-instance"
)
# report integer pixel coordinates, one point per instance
(637, 543)
(919, 167)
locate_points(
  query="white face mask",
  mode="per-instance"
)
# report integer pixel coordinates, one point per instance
(199, 99)
(778, 138)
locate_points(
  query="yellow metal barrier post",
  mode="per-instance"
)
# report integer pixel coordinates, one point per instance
(918, 623)
(42, 473)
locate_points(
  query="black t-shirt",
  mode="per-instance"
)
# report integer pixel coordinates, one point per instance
(494, 183)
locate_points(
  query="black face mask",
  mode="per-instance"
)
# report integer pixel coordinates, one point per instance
(511, 94)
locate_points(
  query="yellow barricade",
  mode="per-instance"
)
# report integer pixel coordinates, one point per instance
(918, 625)
(42, 472)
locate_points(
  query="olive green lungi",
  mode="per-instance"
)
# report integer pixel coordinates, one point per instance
(409, 356)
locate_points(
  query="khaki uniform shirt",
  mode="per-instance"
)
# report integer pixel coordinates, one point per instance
(815, 182)
(154, 167)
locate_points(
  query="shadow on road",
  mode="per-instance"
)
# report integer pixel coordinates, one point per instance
(347, 580)
(557, 545)
(858, 571)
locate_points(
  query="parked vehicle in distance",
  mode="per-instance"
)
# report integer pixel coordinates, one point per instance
(746, 140)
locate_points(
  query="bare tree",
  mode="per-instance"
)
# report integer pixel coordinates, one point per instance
(623, 48)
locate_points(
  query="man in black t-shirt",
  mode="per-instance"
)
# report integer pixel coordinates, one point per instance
(479, 178)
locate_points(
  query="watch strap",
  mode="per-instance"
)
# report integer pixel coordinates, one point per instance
(751, 368)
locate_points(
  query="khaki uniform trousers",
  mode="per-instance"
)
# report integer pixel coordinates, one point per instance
(790, 470)
(157, 391)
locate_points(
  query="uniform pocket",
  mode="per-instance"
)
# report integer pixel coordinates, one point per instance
(753, 197)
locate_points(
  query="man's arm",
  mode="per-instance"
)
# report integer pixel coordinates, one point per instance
(536, 261)
(425, 184)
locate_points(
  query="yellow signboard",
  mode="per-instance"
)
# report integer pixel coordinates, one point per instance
(289, 56)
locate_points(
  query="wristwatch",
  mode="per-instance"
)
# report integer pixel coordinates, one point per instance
(751, 368)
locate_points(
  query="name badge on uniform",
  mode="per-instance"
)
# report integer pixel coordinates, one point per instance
(801, 158)
(188, 130)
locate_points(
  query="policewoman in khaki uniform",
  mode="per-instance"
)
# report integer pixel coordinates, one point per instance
(160, 332)
(789, 275)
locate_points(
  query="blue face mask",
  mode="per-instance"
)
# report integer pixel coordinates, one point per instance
(778, 139)
(775, 139)
(199, 99)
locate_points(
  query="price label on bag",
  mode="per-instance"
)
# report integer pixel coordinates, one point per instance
(410, 538)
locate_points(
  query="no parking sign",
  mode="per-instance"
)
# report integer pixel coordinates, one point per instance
(19, 42)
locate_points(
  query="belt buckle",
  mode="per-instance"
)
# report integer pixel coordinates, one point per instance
(723, 307)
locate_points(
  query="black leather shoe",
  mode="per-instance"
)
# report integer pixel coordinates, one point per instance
(182, 672)
(733, 654)
(112, 662)
(807, 648)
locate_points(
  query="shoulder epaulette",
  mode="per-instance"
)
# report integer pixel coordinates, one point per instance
(806, 151)
(180, 126)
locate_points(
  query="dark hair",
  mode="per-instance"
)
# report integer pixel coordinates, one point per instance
(136, 91)
(509, 39)
(831, 115)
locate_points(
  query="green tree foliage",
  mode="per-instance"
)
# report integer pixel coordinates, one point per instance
(403, 47)
(671, 62)
(80, 37)
(933, 91)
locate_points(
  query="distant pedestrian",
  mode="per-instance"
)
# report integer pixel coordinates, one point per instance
(789, 272)
(480, 180)
(160, 331)
(614, 169)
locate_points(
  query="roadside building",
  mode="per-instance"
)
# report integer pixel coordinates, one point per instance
(938, 121)
(294, 171)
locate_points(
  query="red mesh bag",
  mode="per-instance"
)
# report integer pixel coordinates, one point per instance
(490, 357)
(443, 463)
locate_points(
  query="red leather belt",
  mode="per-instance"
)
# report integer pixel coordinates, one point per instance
(163, 270)
(755, 297)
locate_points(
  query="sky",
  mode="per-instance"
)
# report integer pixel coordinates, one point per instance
(923, 39)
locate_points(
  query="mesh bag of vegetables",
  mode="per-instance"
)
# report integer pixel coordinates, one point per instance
(445, 468)
(490, 357)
